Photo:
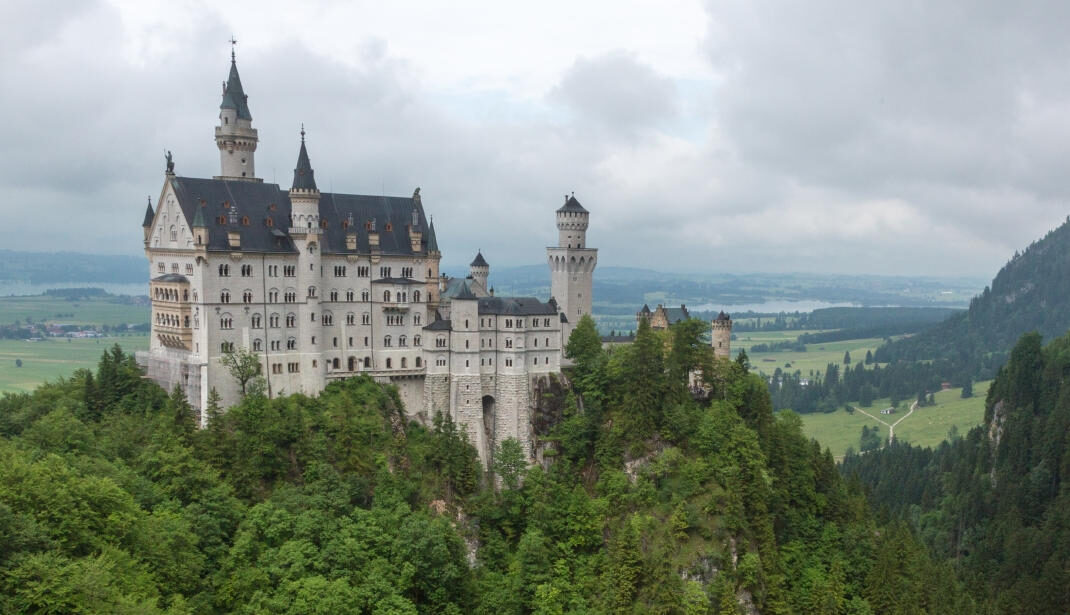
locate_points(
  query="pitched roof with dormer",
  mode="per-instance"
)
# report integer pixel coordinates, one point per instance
(233, 95)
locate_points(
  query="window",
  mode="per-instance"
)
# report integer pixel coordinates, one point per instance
(349, 295)
(276, 345)
(418, 362)
(440, 342)
(546, 322)
(273, 296)
(416, 296)
(406, 272)
(350, 342)
(334, 295)
(536, 342)
(334, 342)
(416, 318)
(508, 343)
(508, 362)
(403, 340)
(160, 267)
(312, 292)
(352, 364)
(246, 271)
(224, 271)
(363, 271)
(367, 362)
(189, 269)
(365, 296)
(403, 363)
(174, 233)
(416, 340)
(328, 319)
(313, 340)
(289, 271)
(273, 321)
(547, 342)
(273, 271)
(290, 296)
(258, 344)
(440, 361)
(291, 321)
(508, 323)
(227, 346)
(293, 367)
(339, 271)
(386, 341)
(384, 272)
(247, 296)
(365, 319)
(336, 364)
(276, 368)
(174, 267)
(388, 366)
(386, 296)
(256, 321)
(224, 297)
(291, 344)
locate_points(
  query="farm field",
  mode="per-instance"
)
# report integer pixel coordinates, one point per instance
(816, 358)
(53, 358)
(96, 311)
(927, 426)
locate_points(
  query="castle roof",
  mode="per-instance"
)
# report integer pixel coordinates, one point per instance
(723, 316)
(675, 315)
(234, 96)
(479, 261)
(149, 215)
(198, 218)
(515, 306)
(439, 324)
(171, 277)
(432, 241)
(261, 201)
(465, 293)
(304, 176)
(571, 204)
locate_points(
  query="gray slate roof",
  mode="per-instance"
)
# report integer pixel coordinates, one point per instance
(304, 176)
(234, 96)
(675, 315)
(571, 204)
(439, 325)
(396, 281)
(171, 277)
(432, 241)
(254, 200)
(515, 306)
(479, 261)
(149, 215)
(465, 293)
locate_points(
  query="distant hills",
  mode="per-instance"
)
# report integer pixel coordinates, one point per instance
(53, 267)
(1030, 293)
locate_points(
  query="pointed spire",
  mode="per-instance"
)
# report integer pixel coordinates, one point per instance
(233, 95)
(432, 241)
(479, 261)
(304, 176)
(198, 219)
(149, 215)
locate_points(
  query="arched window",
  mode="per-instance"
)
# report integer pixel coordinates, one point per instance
(403, 363)
(403, 340)
(386, 296)
(256, 321)
(312, 291)
(388, 365)
(258, 344)
(291, 320)
(418, 362)
(352, 364)
(416, 340)
(367, 362)
(224, 297)
(416, 296)
(336, 364)
(291, 344)
(387, 341)
(174, 233)
(365, 296)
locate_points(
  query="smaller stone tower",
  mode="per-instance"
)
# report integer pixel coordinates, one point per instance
(721, 338)
(235, 135)
(147, 224)
(479, 270)
(304, 195)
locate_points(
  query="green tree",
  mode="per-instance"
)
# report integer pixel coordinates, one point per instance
(847, 357)
(509, 462)
(967, 388)
(243, 365)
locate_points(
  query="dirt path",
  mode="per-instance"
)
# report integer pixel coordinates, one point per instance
(891, 428)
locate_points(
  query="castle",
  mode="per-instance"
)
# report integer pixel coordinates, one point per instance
(324, 286)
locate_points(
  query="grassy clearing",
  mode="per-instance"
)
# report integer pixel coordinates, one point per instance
(815, 359)
(95, 311)
(55, 357)
(927, 426)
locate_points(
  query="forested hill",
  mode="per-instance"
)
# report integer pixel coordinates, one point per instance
(1030, 293)
(996, 503)
(650, 502)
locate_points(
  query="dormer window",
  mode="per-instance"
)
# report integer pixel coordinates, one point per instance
(389, 227)
(245, 219)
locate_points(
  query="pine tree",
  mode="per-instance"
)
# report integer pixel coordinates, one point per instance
(847, 357)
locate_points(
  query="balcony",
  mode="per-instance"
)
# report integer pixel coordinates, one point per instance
(305, 230)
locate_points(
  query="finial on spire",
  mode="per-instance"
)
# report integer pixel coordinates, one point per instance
(233, 41)
(302, 132)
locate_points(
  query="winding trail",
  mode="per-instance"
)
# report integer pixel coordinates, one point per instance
(890, 426)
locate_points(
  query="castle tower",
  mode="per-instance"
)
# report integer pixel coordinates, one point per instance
(479, 270)
(572, 265)
(147, 224)
(235, 135)
(721, 337)
(466, 394)
(304, 196)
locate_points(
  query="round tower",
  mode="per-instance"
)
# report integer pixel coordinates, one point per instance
(235, 135)
(721, 336)
(572, 265)
(479, 270)
(304, 195)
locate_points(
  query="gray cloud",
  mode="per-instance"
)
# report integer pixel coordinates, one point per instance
(827, 136)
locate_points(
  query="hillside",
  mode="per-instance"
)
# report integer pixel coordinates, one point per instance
(110, 501)
(995, 504)
(1030, 293)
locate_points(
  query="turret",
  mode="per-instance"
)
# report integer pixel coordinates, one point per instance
(572, 220)
(200, 229)
(721, 336)
(147, 224)
(235, 135)
(304, 195)
(479, 270)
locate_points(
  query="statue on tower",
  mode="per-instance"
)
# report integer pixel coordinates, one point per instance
(170, 163)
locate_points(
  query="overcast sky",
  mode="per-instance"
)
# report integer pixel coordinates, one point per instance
(796, 135)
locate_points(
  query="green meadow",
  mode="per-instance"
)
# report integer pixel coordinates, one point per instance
(927, 426)
(815, 359)
(96, 311)
(53, 358)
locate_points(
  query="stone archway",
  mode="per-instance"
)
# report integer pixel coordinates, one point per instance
(489, 412)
